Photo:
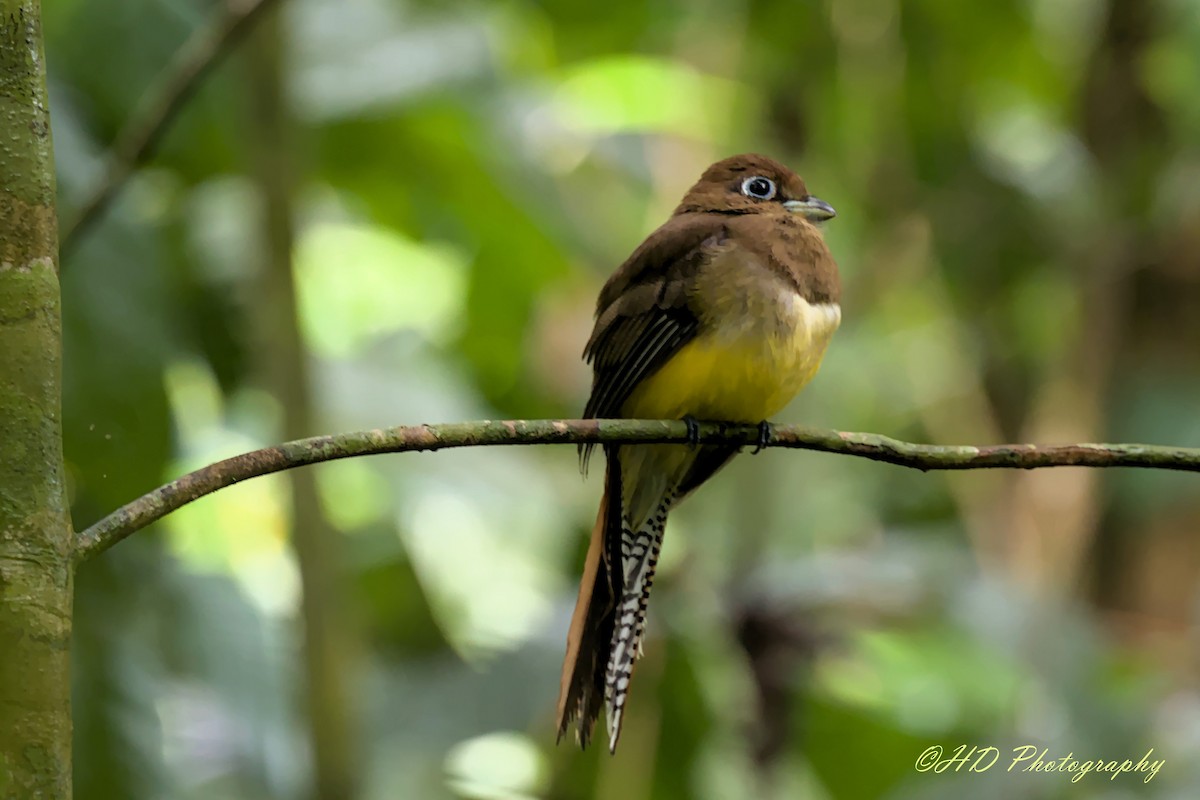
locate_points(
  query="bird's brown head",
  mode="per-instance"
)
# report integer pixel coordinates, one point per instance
(753, 184)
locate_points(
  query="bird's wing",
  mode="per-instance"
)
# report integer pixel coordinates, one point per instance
(643, 316)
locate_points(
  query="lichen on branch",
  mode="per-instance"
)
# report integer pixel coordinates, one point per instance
(165, 499)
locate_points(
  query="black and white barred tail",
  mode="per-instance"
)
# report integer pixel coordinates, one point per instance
(639, 558)
(605, 638)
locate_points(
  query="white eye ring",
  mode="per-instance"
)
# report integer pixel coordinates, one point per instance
(754, 187)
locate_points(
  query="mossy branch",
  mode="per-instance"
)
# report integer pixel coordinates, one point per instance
(165, 499)
(35, 524)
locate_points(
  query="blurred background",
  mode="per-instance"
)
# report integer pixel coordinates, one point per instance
(442, 188)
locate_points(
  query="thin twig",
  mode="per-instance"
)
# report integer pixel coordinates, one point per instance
(159, 106)
(165, 499)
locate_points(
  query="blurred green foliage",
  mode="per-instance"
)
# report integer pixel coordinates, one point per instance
(1019, 235)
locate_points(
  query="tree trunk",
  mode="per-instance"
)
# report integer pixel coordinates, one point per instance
(35, 529)
(329, 643)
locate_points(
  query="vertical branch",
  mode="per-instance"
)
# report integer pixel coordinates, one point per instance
(1125, 129)
(1057, 518)
(327, 650)
(35, 528)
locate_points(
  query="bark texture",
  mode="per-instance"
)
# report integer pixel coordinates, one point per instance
(35, 532)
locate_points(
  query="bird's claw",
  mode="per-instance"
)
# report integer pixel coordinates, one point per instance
(693, 430)
(764, 437)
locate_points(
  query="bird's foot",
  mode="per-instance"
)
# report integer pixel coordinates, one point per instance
(764, 437)
(693, 430)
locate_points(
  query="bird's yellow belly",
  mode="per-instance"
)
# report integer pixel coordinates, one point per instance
(744, 375)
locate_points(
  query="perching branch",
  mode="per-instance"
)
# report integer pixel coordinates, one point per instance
(165, 499)
(161, 104)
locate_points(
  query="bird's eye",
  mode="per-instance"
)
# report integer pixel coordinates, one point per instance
(758, 187)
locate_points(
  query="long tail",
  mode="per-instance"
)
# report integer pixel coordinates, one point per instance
(589, 639)
(639, 558)
(605, 638)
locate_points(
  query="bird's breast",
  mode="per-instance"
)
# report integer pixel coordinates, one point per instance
(759, 344)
